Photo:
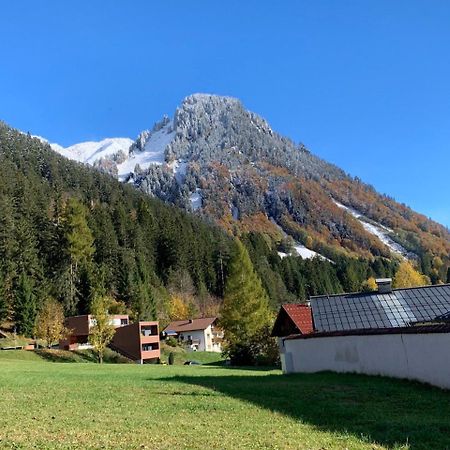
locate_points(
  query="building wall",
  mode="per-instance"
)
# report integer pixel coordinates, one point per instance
(129, 340)
(196, 335)
(423, 357)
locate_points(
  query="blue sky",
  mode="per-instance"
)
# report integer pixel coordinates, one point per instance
(364, 84)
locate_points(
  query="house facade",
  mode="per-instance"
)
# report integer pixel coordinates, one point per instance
(80, 328)
(137, 341)
(197, 334)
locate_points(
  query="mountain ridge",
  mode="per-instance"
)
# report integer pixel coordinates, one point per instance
(225, 163)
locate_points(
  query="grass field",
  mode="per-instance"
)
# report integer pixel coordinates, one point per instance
(80, 406)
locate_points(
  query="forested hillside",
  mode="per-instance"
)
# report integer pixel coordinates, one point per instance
(68, 231)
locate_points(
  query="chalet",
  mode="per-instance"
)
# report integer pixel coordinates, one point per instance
(402, 333)
(197, 334)
(137, 341)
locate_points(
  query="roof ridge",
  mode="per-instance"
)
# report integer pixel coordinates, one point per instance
(379, 293)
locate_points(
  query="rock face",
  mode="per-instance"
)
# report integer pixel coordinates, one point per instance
(218, 159)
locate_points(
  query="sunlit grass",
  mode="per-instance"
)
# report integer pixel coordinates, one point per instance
(81, 406)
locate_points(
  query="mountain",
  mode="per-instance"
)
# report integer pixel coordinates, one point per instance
(227, 164)
(71, 232)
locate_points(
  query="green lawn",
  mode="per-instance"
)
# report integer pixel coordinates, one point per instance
(80, 406)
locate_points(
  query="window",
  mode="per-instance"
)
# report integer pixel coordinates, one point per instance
(149, 347)
(123, 322)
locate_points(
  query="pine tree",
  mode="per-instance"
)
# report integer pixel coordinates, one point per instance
(143, 302)
(245, 310)
(3, 302)
(24, 306)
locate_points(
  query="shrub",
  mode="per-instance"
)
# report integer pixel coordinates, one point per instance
(171, 341)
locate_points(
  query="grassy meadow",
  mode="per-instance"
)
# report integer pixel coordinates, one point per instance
(81, 405)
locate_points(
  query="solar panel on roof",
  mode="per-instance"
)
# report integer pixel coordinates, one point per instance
(373, 310)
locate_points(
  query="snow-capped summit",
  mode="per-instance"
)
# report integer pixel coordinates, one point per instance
(91, 151)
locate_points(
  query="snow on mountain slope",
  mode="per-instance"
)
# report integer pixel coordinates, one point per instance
(91, 151)
(299, 249)
(122, 154)
(152, 153)
(377, 229)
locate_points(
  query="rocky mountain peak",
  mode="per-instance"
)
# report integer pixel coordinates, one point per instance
(226, 163)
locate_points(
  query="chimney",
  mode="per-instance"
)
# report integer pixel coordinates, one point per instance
(384, 285)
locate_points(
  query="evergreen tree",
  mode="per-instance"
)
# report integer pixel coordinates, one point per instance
(24, 306)
(143, 302)
(3, 302)
(246, 307)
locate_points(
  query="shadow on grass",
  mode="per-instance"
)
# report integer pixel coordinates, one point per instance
(389, 412)
(65, 356)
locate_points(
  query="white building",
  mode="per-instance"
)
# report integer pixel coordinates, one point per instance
(402, 333)
(415, 353)
(197, 334)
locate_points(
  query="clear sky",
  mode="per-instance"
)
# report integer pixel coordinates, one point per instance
(364, 84)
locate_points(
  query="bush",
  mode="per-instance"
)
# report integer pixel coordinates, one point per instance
(171, 358)
(171, 342)
(261, 350)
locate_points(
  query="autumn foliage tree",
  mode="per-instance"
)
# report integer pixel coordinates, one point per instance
(79, 247)
(369, 285)
(50, 322)
(407, 276)
(103, 331)
(178, 309)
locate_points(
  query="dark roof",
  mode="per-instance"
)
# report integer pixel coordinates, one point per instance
(422, 329)
(180, 326)
(371, 310)
(293, 318)
(443, 318)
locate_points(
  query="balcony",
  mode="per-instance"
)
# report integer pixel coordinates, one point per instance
(149, 339)
(149, 330)
(150, 354)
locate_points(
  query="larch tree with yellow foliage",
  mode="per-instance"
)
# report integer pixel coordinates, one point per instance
(245, 312)
(407, 276)
(369, 285)
(178, 309)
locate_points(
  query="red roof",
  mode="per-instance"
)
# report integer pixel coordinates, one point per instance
(293, 318)
(180, 326)
(301, 315)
